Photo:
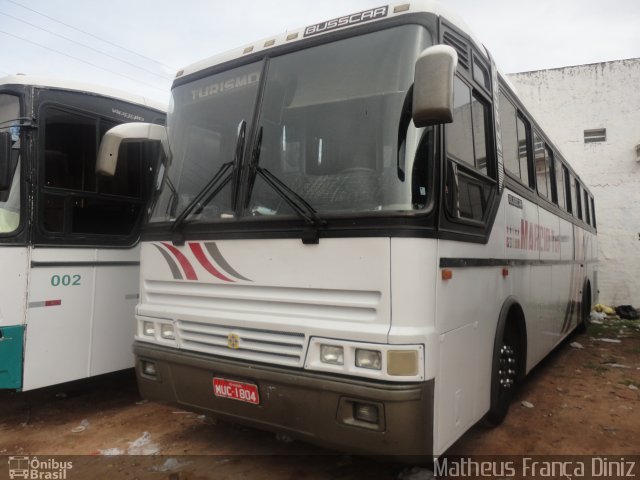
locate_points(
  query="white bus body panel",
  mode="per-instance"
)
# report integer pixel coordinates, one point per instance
(80, 317)
(466, 339)
(339, 288)
(414, 277)
(543, 276)
(13, 285)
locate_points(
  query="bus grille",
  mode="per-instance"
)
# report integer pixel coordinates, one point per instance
(267, 320)
(265, 346)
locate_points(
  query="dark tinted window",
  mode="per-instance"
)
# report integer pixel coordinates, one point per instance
(468, 189)
(523, 150)
(578, 210)
(542, 163)
(509, 134)
(481, 74)
(587, 215)
(467, 135)
(559, 171)
(76, 200)
(459, 133)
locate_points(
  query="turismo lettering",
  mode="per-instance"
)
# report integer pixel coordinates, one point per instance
(225, 86)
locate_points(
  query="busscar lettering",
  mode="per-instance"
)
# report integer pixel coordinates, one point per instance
(225, 86)
(352, 19)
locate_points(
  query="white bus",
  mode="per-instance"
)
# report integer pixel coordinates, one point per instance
(363, 238)
(68, 237)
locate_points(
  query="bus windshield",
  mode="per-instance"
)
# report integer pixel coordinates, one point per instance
(328, 127)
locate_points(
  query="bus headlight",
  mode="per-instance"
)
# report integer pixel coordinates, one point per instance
(402, 363)
(167, 332)
(332, 354)
(371, 359)
(381, 361)
(149, 329)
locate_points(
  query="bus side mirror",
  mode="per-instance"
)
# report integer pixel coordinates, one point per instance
(126, 133)
(433, 86)
(5, 160)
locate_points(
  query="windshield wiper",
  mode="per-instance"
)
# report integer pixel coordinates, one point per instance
(215, 185)
(298, 203)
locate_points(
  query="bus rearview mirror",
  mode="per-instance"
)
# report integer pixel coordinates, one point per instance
(5, 160)
(433, 86)
(126, 133)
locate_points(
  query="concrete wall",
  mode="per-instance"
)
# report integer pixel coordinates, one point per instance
(567, 101)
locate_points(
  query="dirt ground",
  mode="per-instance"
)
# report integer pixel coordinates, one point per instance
(578, 401)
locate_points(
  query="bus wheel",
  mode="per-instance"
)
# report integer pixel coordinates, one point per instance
(504, 374)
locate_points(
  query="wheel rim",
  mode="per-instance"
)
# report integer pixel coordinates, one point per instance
(507, 368)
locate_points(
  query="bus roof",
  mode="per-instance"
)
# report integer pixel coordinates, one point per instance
(63, 84)
(346, 21)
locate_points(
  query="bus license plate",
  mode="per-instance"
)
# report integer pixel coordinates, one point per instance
(244, 392)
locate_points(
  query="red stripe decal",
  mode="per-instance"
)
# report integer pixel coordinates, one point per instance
(52, 303)
(196, 248)
(189, 272)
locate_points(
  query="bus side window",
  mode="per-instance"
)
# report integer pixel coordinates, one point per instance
(468, 189)
(578, 212)
(541, 166)
(515, 146)
(75, 201)
(571, 193)
(559, 174)
(587, 215)
(523, 151)
(593, 213)
(509, 134)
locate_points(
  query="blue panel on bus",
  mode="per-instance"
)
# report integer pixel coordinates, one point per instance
(11, 342)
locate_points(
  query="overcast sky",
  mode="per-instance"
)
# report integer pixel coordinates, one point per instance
(82, 39)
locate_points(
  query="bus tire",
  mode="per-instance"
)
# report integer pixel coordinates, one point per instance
(507, 366)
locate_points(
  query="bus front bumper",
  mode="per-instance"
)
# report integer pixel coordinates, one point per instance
(317, 408)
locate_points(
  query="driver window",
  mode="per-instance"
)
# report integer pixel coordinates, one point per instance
(10, 196)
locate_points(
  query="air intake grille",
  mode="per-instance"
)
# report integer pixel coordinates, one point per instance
(265, 346)
(460, 46)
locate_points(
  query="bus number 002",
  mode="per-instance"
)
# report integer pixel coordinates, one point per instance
(65, 280)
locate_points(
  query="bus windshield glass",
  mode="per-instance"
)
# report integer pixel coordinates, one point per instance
(328, 127)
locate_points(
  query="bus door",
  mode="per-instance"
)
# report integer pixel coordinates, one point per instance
(60, 304)
(85, 262)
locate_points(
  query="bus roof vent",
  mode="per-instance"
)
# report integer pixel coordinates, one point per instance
(461, 47)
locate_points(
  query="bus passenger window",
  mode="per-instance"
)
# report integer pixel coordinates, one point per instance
(468, 189)
(523, 151)
(578, 211)
(459, 137)
(509, 134)
(559, 171)
(587, 216)
(480, 116)
(541, 166)
(466, 136)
